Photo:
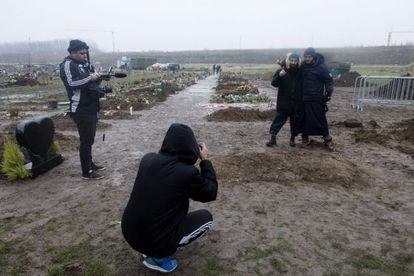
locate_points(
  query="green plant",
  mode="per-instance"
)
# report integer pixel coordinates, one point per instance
(54, 149)
(13, 162)
(56, 270)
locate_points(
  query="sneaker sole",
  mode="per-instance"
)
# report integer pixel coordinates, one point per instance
(153, 267)
(101, 170)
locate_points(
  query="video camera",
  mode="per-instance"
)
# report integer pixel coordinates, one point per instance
(107, 76)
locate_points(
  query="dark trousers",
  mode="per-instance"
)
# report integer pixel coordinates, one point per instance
(279, 120)
(86, 124)
(194, 226)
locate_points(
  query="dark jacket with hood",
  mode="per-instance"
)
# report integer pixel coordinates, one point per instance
(317, 80)
(289, 93)
(82, 93)
(160, 198)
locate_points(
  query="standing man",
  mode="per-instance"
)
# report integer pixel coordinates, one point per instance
(317, 91)
(287, 79)
(82, 86)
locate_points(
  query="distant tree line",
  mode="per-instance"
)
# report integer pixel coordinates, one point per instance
(36, 51)
(54, 51)
(357, 55)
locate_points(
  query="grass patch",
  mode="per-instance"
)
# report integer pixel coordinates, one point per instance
(363, 261)
(8, 224)
(96, 268)
(405, 258)
(283, 246)
(56, 270)
(54, 85)
(254, 253)
(278, 265)
(71, 253)
(76, 259)
(381, 70)
(337, 241)
(14, 257)
(215, 267)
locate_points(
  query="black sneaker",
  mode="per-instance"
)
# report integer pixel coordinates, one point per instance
(92, 175)
(97, 167)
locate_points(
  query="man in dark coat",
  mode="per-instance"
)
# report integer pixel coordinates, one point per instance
(287, 79)
(317, 88)
(156, 220)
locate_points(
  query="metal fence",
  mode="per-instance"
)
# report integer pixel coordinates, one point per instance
(382, 90)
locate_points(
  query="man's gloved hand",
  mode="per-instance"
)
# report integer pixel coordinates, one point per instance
(327, 98)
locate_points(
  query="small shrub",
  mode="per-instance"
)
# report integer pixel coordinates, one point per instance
(13, 162)
(54, 149)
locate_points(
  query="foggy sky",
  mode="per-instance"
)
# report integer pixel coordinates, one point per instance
(216, 24)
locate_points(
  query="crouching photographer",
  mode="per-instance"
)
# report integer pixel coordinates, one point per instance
(82, 84)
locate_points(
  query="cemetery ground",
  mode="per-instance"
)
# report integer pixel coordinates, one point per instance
(279, 211)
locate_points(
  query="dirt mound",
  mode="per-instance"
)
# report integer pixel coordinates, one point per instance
(290, 168)
(403, 131)
(368, 135)
(399, 136)
(63, 122)
(235, 114)
(137, 102)
(26, 80)
(349, 123)
(67, 142)
(347, 79)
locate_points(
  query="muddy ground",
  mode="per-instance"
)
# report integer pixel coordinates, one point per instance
(279, 211)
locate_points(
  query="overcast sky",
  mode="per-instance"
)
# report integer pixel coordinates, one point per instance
(215, 24)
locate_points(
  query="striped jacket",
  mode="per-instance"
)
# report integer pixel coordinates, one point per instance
(82, 93)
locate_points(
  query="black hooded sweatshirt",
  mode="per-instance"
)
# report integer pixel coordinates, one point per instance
(160, 198)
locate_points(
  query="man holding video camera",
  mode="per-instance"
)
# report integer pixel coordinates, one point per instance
(82, 85)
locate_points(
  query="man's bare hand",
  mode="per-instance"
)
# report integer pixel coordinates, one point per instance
(203, 150)
(282, 73)
(95, 76)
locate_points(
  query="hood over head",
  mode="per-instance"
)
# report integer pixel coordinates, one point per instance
(319, 59)
(181, 142)
(288, 57)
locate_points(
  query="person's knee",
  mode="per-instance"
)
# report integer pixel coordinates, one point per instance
(206, 214)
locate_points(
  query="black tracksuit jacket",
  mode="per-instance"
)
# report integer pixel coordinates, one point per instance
(82, 93)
